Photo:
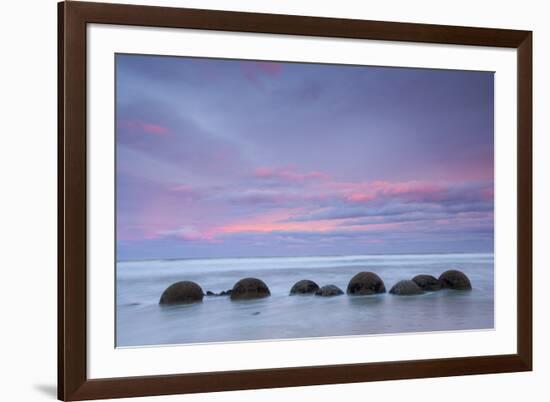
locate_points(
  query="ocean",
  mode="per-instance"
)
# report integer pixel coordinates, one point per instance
(140, 321)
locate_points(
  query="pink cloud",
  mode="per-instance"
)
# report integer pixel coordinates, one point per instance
(268, 222)
(149, 128)
(360, 197)
(253, 71)
(269, 67)
(279, 221)
(480, 168)
(173, 210)
(154, 129)
(408, 187)
(368, 191)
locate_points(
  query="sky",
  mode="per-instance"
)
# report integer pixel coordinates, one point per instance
(232, 158)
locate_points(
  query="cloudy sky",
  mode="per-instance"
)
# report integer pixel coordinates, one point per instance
(229, 158)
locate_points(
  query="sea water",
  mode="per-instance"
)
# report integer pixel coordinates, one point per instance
(140, 320)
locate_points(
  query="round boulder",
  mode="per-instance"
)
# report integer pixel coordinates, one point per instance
(303, 287)
(427, 282)
(366, 283)
(454, 279)
(329, 290)
(182, 293)
(406, 288)
(249, 288)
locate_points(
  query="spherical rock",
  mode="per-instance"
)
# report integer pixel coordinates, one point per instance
(329, 290)
(249, 288)
(366, 283)
(182, 293)
(304, 286)
(454, 279)
(406, 288)
(427, 282)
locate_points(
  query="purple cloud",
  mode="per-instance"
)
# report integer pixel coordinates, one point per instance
(236, 158)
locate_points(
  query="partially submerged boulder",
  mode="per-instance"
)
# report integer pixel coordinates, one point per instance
(329, 290)
(183, 292)
(303, 287)
(366, 283)
(454, 279)
(406, 288)
(427, 282)
(249, 288)
(222, 293)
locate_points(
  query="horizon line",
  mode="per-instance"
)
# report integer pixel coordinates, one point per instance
(300, 256)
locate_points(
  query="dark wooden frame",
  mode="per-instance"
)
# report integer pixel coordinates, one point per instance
(73, 383)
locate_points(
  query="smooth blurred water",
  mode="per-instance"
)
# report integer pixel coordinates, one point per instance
(141, 321)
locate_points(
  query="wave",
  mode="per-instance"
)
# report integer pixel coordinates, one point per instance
(267, 263)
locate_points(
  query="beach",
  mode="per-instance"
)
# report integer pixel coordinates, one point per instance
(141, 321)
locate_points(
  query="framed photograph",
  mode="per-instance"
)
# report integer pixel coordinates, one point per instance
(255, 201)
